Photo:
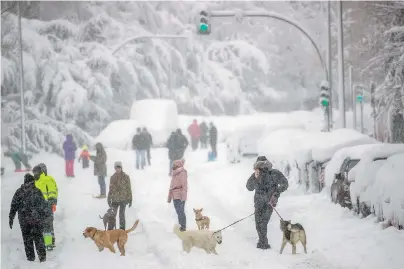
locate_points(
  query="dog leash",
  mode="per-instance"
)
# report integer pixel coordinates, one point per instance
(276, 211)
(234, 223)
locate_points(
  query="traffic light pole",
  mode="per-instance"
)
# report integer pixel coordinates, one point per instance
(259, 14)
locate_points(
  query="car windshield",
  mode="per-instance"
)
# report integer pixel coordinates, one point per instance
(351, 164)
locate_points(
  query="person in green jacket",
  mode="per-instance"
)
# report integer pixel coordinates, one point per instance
(48, 187)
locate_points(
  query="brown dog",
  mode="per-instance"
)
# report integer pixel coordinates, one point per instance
(107, 239)
(201, 220)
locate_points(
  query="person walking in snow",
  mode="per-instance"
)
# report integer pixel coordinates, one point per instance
(176, 144)
(149, 144)
(32, 209)
(268, 184)
(84, 157)
(178, 191)
(195, 134)
(18, 158)
(100, 168)
(69, 148)
(119, 195)
(213, 139)
(203, 127)
(140, 143)
(49, 189)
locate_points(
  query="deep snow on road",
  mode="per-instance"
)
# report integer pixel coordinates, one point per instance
(336, 238)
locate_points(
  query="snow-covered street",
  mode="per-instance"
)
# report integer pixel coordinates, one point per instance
(336, 237)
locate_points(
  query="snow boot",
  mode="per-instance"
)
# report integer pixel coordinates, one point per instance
(101, 196)
(182, 229)
(263, 246)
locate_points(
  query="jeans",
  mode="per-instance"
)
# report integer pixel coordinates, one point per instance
(112, 222)
(179, 208)
(140, 158)
(101, 182)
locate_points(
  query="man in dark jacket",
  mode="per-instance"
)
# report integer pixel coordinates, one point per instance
(268, 184)
(149, 145)
(119, 195)
(203, 127)
(140, 144)
(213, 138)
(32, 209)
(176, 144)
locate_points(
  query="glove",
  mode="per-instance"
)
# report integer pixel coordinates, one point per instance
(274, 200)
(130, 204)
(53, 208)
(168, 200)
(10, 222)
(109, 203)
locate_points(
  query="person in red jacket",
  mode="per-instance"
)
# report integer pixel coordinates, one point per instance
(195, 134)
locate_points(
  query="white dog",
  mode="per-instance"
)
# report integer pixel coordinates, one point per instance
(203, 239)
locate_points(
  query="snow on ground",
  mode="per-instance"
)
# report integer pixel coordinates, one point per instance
(333, 232)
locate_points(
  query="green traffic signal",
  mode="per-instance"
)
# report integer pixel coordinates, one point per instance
(325, 102)
(203, 27)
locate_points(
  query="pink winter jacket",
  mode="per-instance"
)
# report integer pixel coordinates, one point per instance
(179, 182)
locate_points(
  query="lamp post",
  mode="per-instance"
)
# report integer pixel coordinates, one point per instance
(22, 103)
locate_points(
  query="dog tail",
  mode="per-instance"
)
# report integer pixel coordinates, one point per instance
(133, 227)
(176, 230)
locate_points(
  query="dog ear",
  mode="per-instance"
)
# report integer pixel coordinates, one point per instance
(194, 210)
(201, 209)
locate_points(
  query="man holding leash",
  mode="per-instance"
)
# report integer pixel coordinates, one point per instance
(268, 184)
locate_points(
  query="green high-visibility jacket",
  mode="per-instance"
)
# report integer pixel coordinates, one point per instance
(47, 185)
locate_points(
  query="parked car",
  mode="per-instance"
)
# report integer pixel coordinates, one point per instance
(340, 187)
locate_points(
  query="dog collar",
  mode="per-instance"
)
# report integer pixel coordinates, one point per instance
(94, 234)
(200, 219)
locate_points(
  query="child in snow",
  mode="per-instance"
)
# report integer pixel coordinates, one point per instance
(85, 157)
(178, 191)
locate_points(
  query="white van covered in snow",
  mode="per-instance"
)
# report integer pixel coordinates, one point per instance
(159, 116)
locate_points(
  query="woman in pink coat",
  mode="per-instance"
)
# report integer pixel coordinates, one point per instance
(178, 191)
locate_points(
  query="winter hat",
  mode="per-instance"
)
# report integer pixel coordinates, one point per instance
(263, 165)
(28, 178)
(43, 168)
(84, 147)
(261, 158)
(179, 163)
(118, 164)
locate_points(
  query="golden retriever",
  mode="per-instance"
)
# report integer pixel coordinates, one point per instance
(107, 239)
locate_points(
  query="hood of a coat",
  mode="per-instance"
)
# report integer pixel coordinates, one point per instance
(69, 138)
(263, 165)
(99, 147)
(178, 163)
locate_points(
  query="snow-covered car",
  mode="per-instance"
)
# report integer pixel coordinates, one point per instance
(159, 116)
(244, 142)
(336, 172)
(363, 176)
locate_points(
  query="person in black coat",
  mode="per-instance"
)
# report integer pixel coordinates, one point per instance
(140, 143)
(268, 184)
(150, 144)
(213, 138)
(204, 135)
(176, 144)
(32, 209)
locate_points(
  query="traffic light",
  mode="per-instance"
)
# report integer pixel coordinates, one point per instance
(204, 24)
(325, 94)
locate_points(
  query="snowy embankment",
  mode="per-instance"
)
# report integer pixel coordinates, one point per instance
(219, 188)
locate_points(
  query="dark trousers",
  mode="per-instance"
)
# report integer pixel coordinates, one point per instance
(204, 142)
(122, 221)
(194, 143)
(101, 182)
(48, 228)
(33, 235)
(262, 217)
(148, 156)
(86, 163)
(180, 209)
(214, 149)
